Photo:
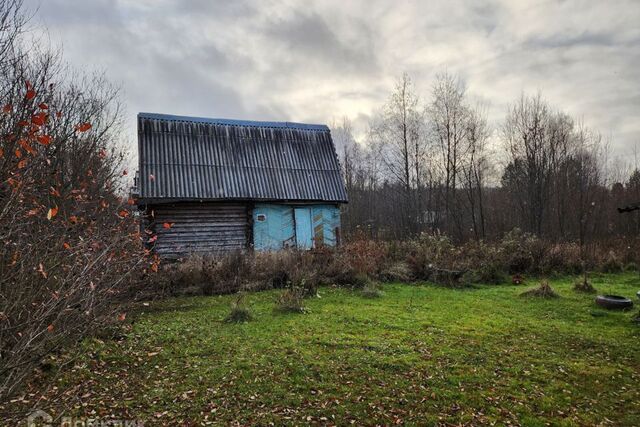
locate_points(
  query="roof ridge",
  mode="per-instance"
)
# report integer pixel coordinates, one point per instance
(234, 122)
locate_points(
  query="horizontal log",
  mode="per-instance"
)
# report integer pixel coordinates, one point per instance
(190, 227)
(182, 209)
(189, 249)
(193, 241)
(178, 221)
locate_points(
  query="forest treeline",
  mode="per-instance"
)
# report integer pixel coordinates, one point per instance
(434, 164)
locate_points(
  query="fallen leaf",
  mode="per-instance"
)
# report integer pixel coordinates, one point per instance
(41, 270)
(50, 328)
(52, 213)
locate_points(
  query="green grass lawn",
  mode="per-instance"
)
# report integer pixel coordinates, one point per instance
(419, 355)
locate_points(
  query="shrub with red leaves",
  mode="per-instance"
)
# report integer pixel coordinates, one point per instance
(67, 252)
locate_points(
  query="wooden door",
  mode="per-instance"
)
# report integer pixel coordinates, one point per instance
(304, 229)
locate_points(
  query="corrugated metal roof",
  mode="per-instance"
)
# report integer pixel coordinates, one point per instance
(192, 158)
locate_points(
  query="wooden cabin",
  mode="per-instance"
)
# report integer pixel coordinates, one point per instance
(218, 185)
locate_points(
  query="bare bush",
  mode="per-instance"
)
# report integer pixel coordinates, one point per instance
(584, 286)
(291, 299)
(429, 251)
(371, 290)
(612, 263)
(224, 274)
(240, 311)
(520, 252)
(396, 271)
(69, 240)
(543, 290)
(431, 257)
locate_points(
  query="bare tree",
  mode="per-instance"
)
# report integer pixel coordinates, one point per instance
(347, 150)
(561, 143)
(527, 142)
(408, 178)
(475, 167)
(400, 141)
(584, 168)
(448, 115)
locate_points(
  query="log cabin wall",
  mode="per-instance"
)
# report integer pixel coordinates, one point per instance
(199, 228)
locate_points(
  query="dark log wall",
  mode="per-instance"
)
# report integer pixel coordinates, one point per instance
(199, 228)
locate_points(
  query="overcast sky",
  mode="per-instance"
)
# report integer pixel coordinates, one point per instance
(319, 61)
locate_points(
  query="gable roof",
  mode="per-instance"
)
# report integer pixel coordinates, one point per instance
(193, 158)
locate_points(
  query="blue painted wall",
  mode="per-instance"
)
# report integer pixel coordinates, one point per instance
(273, 227)
(304, 227)
(325, 218)
(279, 226)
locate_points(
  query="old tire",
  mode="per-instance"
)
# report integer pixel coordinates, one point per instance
(613, 302)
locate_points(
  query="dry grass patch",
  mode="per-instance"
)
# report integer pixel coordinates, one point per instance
(584, 286)
(544, 290)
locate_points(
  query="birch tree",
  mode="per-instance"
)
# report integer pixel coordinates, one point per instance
(401, 144)
(448, 114)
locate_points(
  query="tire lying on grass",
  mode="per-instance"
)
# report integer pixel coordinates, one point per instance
(613, 302)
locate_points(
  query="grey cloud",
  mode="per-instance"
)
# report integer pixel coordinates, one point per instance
(485, 16)
(307, 61)
(90, 13)
(564, 41)
(310, 40)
